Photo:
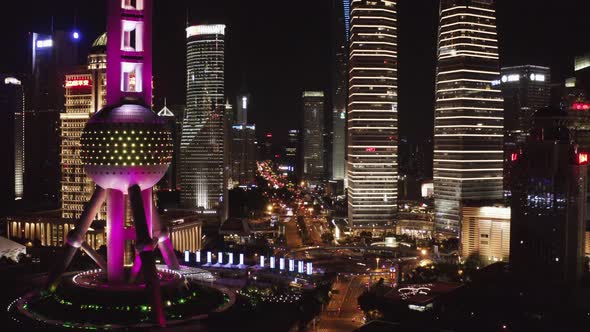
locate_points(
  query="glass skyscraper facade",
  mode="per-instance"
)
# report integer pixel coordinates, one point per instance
(339, 88)
(372, 165)
(202, 145)
(468, 124)
(313, 136)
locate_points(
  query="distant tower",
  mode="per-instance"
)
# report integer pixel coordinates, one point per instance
(313, 136)
(12, 140)
(372, 162)
(203, 182)
(339, 87)
(169, 181)
(126, 150)
(468, 119)
(548, 202)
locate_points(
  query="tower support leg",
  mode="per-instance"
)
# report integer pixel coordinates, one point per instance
(76, 237)
(116, 236)
(145, 247)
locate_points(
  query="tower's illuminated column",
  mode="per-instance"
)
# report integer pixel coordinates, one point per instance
(468, 124)
(129, 78)
(372, 114)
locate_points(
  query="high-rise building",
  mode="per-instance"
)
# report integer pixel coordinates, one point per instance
(202, 146)
(525, 89)
(313, 136)
(242, 108)
(549, 202)
(372, 141)
(468, 123)
(52, 56)
(170, 180)
(85, 94)
(12, 106)
(243, 155)
(485, 233)
(340, 13)
(292, 152)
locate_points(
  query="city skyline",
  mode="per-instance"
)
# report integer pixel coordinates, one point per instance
(524, 39)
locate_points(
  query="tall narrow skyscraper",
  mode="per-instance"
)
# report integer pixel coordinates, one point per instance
(12, 104)
(372, 165)
(202, 145)
(313, 136)
(340, 14)
(468, 124)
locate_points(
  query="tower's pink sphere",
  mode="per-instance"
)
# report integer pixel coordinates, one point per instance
(124, 145)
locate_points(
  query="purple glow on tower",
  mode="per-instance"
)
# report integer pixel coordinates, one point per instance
(129, 51)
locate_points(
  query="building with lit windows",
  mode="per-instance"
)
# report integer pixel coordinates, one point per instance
(468, 123)
(485, 232)
(291, 153)
(12, 107)
(340, 12)
(170, 180)
(548, 202)
(85, 94)
(372, 142)
(313, 136)
(203, 181)
(525, 90)
(242, 155)
(52, 56)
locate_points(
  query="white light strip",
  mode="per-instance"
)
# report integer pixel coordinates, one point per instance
(468, 179)
(214, 29)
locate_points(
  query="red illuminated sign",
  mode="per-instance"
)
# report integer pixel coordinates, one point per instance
(77, 83)
(370, 149)
(581, 106)
(582, 158)
(269, 135)
(514, 157)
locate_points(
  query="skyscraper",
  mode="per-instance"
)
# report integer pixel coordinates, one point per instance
(242, 108)
(12, 106)
(549, 202)
(52, 56)
(468, 124)
(525, 89)
(292, 152)
(243, 155)
(313, 136)
(340, 13)
(85, 94)
(202, 145)
(372, 165)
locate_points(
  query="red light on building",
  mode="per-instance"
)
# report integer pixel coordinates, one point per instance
(269, 135)
(514, 157)
(77, 83)
(370, 149)
(581, 106)
(582, 158)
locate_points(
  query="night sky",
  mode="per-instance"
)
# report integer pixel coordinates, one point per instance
(280, 48)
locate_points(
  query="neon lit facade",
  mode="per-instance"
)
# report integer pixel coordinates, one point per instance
(372, 115)
(203, 180)
(468, 124)
(125, 149)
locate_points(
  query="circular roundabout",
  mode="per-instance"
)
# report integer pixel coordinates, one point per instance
(86, 301)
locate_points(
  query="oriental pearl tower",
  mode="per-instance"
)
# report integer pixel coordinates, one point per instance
(126, 150)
